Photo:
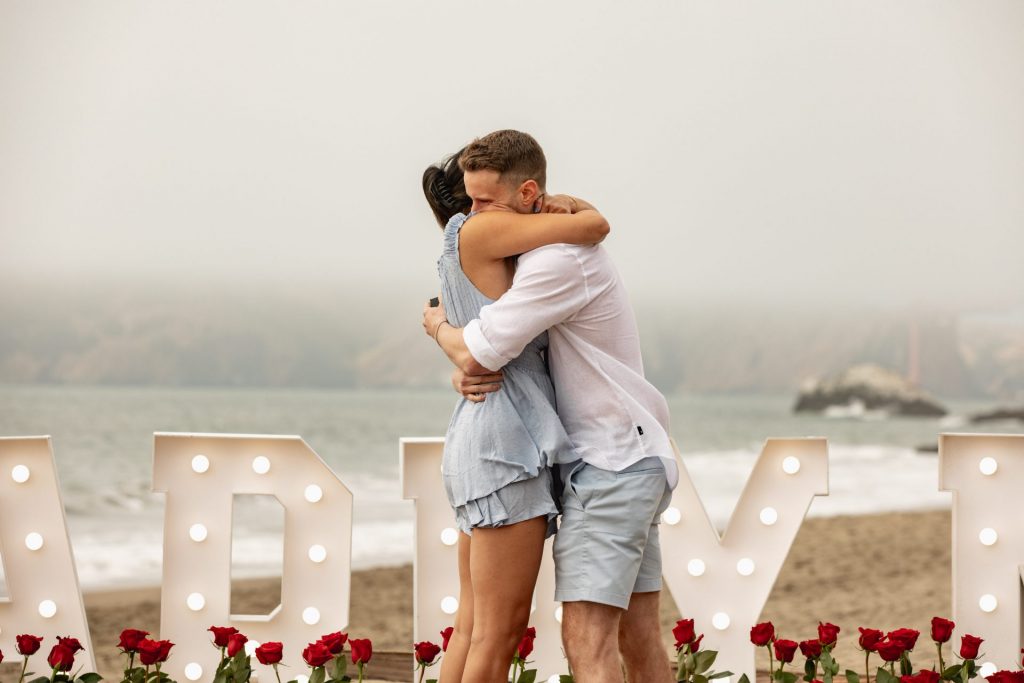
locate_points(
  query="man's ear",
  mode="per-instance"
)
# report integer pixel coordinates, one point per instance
(529, 191)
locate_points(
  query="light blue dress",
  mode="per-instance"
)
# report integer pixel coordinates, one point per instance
(497, 453)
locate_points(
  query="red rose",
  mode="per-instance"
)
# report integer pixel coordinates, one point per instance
(869, 638)
(525, 646)
(683, 631)
(827, 633)
(426, 652)
(165, 649)
(61, 658)
(811, 648)
(695, 645)
(784, 650)
(446, 635)
(1022, 656)
(28, 645)
(317, 654)
(942, 629)
(269, 653)
(154, 651)
(1006, 677)
(969, 646)
(236, 643)
(889, 650)
(1, 656)
(906, 636)
(70, 643)
(925, 676)
(762, 634)
(335, 642)
(130, 639)
(221, 634)
(362, 650)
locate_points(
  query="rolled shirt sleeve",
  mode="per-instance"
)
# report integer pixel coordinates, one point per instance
(549, 287)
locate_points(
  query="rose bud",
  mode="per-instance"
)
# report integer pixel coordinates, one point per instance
(153, 651)
(925, 676)
(446, 635)
(236, 644)
(906, 636)
(221, 634)
(525, 646)
(165, 649)
(683, 631)
(942, 629)
(811, 648)
(869, 638)
(969, 646)
(70, 643)
(335, 642)
(762, 634)
(61, 658)
(269, 653)
(362, 650)
(890, 650)
(28, 645)
(784, 650)
(316, 654)
(130, 639)
(426, 652)
(827, 633)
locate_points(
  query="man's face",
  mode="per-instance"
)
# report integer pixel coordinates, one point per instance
(489, 193)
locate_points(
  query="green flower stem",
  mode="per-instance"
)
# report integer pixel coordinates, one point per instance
(360, 672)
(867, 666)
(423, 671)
(277, 674)
(24, 667)
(942, 666)
(771, 660)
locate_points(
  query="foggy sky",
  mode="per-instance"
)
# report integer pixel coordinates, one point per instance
(785, 151)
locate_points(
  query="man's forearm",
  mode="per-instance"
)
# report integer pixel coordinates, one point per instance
(451, 341)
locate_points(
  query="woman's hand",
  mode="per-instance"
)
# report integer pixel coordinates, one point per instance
(559, 203)
(475, 387)
(433, 318)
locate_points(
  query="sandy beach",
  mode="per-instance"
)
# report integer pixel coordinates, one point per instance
(882, 571)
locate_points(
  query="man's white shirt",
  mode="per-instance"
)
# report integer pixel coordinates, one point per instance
(613, 415)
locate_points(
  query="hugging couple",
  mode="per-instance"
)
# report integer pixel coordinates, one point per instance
(555, 418)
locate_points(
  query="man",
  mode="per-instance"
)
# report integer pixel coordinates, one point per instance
(607, 557)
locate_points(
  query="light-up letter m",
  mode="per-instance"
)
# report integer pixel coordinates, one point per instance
(201, 474)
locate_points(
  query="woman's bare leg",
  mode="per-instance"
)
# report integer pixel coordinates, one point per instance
(454, 659)
(504, 563)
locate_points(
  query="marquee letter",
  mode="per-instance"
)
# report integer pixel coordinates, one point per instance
(201, 473)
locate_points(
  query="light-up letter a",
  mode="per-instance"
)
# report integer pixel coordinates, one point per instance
(986, 475)
(723, 583)
(41, 579)
(201, 473)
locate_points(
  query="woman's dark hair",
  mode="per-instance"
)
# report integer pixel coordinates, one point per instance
(445, 190)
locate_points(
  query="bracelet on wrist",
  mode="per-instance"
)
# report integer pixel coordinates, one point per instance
(438, 328)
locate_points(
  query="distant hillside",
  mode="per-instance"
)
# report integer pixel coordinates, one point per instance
(222, 339)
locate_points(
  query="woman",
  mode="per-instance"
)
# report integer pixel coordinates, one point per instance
(498, 447)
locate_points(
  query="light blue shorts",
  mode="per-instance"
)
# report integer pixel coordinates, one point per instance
(607, 545)
(513, 503)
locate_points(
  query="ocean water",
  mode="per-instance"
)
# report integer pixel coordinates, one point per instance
(103, 442)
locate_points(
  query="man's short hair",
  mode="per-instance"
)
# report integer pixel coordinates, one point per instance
(516, 157)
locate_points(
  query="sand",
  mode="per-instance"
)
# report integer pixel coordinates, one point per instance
(883, 571)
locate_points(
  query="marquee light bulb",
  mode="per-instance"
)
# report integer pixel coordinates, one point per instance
(317, 553)
(988, 466)
(558, 614)
(450, 605)
(197, 532)
(193, 671)
(200, 464)
(195, 601)
(720, 621)
(449, 536)
(250, 647)
(554, 679)
(988, 603)
(310, 616)
(47, 608)
(695, 567)
(987, 669)
(302, 678)
(745, 567)
(672, 516)
(313, 493)
(20, 473)
(261, 464)
(769, 516)
(34, 541)
(791, 465)
(988, 536)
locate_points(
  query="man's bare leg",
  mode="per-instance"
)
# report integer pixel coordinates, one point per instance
(454, 660)
(590, 633)
(640, 641)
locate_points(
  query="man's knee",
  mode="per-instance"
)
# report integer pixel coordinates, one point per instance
(589, 627)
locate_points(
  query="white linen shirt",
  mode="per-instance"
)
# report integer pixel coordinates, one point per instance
(613, 415)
